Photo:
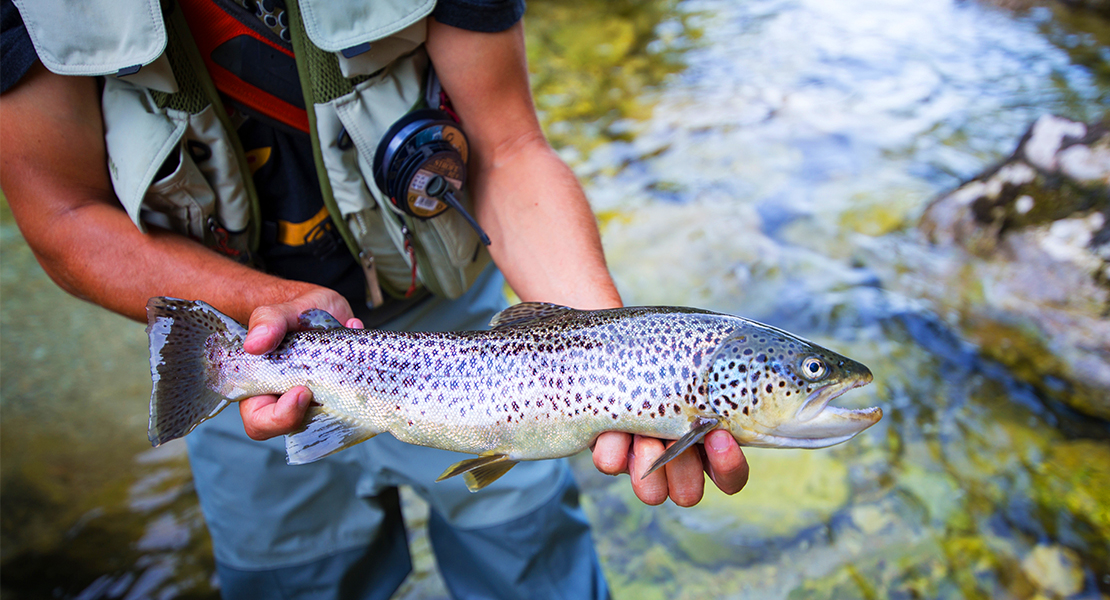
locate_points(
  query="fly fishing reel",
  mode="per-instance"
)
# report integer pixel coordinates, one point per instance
(420, 164)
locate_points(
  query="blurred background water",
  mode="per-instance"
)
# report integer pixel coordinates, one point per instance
(768, 158)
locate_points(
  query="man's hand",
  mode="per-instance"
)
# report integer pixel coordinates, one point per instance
(682, 479)
(265, 417)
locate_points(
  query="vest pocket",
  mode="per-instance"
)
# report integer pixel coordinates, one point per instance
(447, 252)
(203, 195)
(182, 200)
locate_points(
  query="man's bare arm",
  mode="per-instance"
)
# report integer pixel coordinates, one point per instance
(55, 176)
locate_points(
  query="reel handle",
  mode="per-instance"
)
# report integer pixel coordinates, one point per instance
(438, 187)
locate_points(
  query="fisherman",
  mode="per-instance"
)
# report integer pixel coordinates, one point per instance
(123, 195)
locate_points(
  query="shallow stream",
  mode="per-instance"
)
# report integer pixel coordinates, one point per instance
(767, 158)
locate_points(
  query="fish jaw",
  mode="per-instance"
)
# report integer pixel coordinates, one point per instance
(818, 400)
(816, 424)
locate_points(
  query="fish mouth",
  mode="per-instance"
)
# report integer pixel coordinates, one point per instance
(817, 424)
(818, 401)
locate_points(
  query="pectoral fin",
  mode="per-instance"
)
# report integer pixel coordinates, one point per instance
(479, 472)
(701, 426)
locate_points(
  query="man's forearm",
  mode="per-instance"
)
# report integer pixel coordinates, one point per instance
(96, 253)
(65, 206)
(545, 236)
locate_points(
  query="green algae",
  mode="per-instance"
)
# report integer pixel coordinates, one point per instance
(1025, 352)
(1044, 200)
(593, 62)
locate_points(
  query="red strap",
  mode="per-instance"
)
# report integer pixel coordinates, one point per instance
(412, 258)
(211, 26)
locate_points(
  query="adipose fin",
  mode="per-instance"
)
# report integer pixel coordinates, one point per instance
(315, 318)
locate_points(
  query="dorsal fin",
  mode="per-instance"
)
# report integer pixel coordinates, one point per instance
(315, 318)
(527, 312)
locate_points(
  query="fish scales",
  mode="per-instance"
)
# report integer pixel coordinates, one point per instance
(531, 393)
(544, 382)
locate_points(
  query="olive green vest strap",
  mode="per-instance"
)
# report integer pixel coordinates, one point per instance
(197, 91)
(313, 65)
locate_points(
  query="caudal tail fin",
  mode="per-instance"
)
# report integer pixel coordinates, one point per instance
(181, 398)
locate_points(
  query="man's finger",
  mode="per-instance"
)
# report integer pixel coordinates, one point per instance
(265, 417)
(610, 452)
(652, 489)
(686, 478)
(266, 330)
(725, 464)
(354, 323)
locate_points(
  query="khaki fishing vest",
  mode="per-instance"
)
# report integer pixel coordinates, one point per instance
(362, 67)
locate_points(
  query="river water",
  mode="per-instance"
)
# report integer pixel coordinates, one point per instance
(767, 158)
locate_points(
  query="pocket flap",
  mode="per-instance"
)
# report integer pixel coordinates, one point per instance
(94, 38)
(335, 25)
(138, 140)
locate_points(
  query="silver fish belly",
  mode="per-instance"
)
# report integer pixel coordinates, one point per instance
(543, 382)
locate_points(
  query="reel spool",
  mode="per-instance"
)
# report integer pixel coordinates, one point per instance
(420, 164)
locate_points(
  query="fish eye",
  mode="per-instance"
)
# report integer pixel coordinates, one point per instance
(814, 368)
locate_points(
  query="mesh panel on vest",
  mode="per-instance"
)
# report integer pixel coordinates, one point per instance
(190, 97)
(327, 81)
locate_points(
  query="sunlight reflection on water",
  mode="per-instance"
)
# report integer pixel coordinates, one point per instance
(743, 157)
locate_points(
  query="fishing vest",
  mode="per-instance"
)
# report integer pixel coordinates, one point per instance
(174, 158)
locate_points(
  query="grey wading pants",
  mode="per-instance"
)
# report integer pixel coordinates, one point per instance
(333, 528)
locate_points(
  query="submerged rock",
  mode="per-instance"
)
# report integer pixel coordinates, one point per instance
(797, 490)
(1060, 170)
(1036, 287)
(1054, 570)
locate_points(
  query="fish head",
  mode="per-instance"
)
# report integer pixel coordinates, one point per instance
(774, 390)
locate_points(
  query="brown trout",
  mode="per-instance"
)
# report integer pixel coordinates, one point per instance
(543, 382)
